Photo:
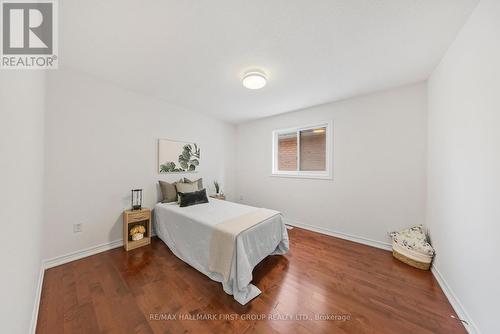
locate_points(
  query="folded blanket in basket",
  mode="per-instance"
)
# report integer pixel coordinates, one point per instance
(413, 239)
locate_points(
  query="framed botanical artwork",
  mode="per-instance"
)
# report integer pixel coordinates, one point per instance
(177, 157)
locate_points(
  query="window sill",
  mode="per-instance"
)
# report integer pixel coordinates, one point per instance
(303, 176)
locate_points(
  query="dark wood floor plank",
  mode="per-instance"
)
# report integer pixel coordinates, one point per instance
(130, 292)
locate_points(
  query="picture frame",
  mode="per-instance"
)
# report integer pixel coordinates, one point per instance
(178, 156)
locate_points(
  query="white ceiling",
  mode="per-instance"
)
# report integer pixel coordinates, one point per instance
(192, 53)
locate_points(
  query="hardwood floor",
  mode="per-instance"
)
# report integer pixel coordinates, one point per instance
(143, 290)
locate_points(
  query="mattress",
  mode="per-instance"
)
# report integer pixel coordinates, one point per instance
(187, 232)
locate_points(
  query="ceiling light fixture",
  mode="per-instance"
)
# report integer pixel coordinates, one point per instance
(254, 80)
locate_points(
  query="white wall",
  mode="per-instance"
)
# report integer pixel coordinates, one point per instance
(464, 167)
(21, 194)
(101, 143)
(379, 159)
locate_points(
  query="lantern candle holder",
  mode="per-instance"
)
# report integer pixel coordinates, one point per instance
(136, 199)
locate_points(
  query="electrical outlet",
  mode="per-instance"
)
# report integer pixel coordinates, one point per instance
(77, 228)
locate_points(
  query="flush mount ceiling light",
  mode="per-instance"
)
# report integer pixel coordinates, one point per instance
(254, 80)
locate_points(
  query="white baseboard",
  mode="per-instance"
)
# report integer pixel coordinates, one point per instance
(38, 295)
(455, 302)
(452, 297)
(59, 260)
(80, 254)
(341, 235)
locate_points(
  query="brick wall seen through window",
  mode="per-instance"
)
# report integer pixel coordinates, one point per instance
(287, 152)
(303, 151)
(313, 150)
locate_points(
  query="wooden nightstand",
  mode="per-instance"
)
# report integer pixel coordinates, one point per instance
(222, 197)
(132, 218)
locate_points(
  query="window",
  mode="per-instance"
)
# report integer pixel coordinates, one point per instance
(303, 151)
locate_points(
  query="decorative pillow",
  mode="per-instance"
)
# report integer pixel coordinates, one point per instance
(199, 182)
(413, 239)
(193, 198)
(186, 187)
(168, 191)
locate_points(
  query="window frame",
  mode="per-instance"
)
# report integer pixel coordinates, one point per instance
(327, 174)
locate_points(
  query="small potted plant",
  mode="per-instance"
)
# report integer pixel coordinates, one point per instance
(137, 232)
(217, 187)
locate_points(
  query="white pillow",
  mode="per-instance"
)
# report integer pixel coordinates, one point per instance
(413, 239)
(186, 187)
(199, 182)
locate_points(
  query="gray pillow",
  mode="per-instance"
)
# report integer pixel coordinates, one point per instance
(168, 191)
(199, 182)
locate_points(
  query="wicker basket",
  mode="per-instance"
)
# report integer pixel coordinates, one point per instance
(411, 262)
(410, 257)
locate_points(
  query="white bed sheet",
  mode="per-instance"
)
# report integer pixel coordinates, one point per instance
(187, 232)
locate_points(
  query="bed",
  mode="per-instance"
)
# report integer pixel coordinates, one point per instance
(189, 233)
